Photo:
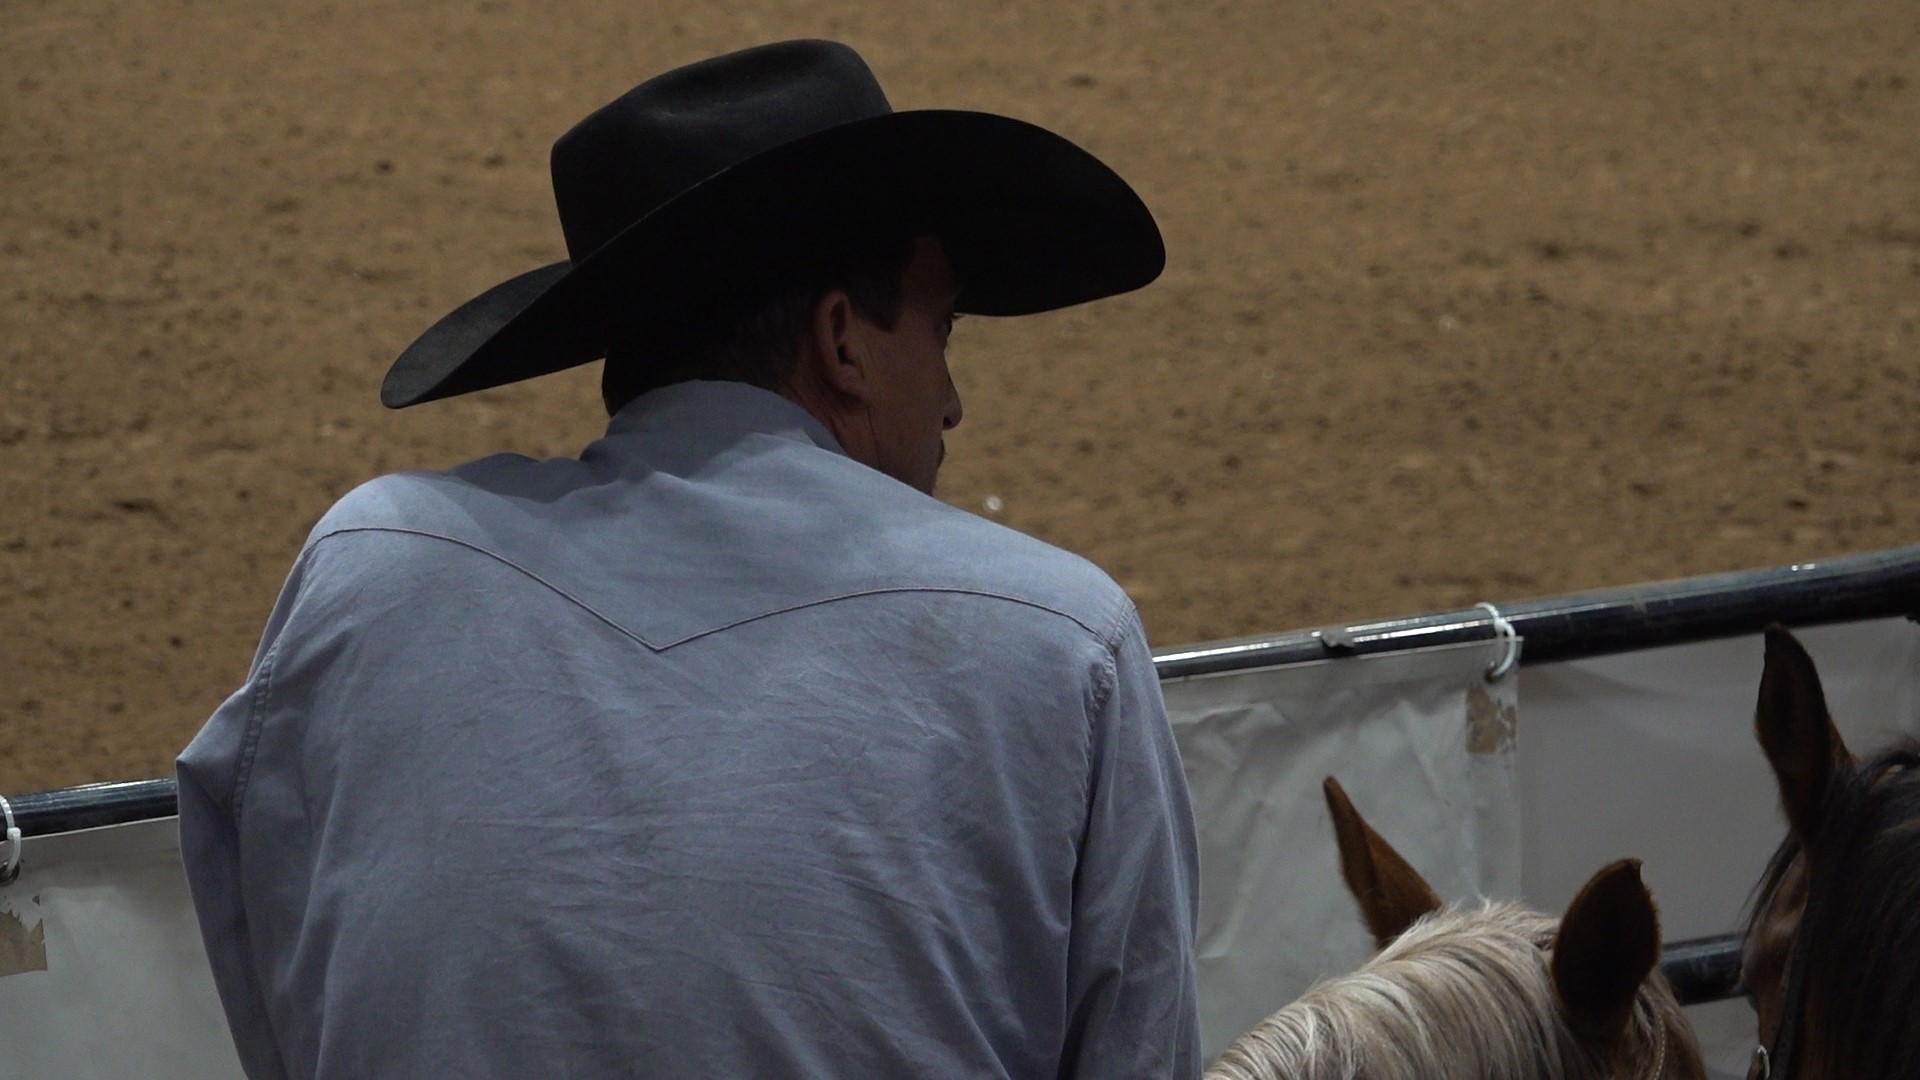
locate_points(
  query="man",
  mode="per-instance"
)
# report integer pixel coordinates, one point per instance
(724, 749)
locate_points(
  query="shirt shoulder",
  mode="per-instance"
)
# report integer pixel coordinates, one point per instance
(428, 502)
(964, 551)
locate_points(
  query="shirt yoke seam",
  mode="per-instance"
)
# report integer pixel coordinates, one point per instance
(1110, 666)
(1104, 686)
(614, 624)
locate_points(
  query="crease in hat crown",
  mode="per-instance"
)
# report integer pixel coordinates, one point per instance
(679, 128)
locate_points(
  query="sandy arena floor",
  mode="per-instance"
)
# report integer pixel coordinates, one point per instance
(1470, 300)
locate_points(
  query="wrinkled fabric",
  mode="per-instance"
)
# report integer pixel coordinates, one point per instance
(711, 752)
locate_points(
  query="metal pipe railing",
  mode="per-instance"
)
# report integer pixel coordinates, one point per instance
(1875, 585)
(90, 806)
(1703, 969)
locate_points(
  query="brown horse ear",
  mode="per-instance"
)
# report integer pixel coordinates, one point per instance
(1797, 733)
(1608, 942)
(1391, 893)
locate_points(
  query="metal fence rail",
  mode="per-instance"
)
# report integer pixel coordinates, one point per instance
(90, 806)
(1703, 969)
(1871, 586)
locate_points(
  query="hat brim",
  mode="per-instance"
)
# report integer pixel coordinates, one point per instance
(1030, 222)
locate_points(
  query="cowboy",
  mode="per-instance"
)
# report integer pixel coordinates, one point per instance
(723, 749)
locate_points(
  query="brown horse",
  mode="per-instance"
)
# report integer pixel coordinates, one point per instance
(1832, 953)
(1490, 992)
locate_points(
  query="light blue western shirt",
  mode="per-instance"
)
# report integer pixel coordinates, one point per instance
(711, 752)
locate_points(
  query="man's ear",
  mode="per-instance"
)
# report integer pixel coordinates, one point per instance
(837, 348)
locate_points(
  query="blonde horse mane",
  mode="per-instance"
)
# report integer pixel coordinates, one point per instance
(1461, 995)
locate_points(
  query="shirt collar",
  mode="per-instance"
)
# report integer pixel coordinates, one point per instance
(731, 408)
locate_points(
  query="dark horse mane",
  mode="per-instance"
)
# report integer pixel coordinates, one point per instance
(1861, 939)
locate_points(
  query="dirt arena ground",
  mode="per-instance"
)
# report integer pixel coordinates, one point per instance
(1466, 300)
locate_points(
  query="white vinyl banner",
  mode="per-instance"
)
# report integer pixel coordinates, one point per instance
(102, 974)
(1423, 744)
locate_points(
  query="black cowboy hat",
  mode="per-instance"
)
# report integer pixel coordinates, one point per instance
(694, 184)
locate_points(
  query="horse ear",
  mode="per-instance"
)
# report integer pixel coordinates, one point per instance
(1392, 894)
(1797, 733)
(1607, 943)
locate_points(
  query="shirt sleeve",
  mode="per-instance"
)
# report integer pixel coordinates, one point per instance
(1131, 983)
(212, 773)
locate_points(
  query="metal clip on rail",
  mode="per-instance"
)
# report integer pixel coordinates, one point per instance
(1336, 640)
(1503, 629)
(10, 868)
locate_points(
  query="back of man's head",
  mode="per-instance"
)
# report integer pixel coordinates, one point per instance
(755, 336)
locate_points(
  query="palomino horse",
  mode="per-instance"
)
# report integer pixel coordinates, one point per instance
(1493, 992)
(1832, 954)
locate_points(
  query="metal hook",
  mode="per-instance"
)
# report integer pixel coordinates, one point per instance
(11, 868)
(1762, 1066)
(1504, 629)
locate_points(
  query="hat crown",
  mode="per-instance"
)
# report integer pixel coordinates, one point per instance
(706, 180)
(678, 129)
